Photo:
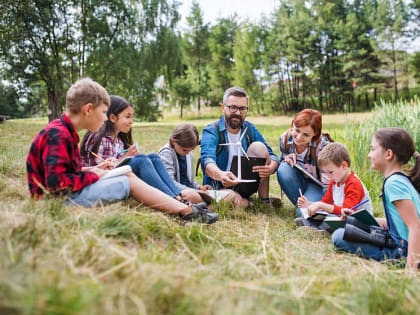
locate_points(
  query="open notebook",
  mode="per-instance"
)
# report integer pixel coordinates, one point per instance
(117, 172)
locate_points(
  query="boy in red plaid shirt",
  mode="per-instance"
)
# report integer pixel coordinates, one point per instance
(54, 163)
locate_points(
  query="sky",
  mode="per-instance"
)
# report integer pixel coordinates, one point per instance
(213, 9)
(251, 9)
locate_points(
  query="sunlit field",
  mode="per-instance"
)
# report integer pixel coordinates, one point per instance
(126, 259)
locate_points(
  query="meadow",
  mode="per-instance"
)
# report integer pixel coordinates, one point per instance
(126, 259)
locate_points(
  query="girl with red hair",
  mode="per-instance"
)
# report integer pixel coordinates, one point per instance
(301, 145)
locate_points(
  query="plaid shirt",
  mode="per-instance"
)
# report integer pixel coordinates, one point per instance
(308, 162)
(108, 148)
(54, 160)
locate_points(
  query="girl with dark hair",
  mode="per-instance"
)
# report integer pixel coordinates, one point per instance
(391, 148)
(178, 160)
(114, 141)
(301, 145)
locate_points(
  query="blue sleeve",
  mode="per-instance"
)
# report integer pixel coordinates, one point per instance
(209, 142)
(397, 189)
(258, 137)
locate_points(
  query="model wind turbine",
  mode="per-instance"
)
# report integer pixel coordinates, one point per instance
(239, 149)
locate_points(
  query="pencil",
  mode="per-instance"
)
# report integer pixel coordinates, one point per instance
(359, 204)
(300, 192)
(97, 156)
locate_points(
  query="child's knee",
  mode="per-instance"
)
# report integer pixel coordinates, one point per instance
(337, 237)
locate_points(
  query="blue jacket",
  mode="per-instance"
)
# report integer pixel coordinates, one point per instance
(210, 143)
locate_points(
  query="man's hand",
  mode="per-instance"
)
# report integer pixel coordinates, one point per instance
(263, 171)
(290, 159)
(228, 179)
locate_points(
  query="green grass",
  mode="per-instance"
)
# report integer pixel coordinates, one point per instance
(126, 259)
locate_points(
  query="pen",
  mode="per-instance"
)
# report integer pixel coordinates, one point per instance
(97, 156)
(359, 204)
(300, 192)
(122, 151)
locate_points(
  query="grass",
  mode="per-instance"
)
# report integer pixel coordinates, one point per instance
(125, 259)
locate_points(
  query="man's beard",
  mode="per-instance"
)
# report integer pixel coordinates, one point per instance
(234, 125)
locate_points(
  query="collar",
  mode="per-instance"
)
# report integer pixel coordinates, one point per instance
(67, 123)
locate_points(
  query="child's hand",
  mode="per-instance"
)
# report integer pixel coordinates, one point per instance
(99, 171)
(290, 159)
(132, 151)
(314, 207)
(345, 212)
(205, 187)
(191, 195)
(303, 202)
(107, 165)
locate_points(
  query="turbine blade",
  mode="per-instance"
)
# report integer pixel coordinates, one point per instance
(240, 139)
(246, 155)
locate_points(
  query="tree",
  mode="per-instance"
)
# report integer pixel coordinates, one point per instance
(56, 41)
(246, 53)
(196, 51)
(181, 92)
(221, 42)
(391, 20)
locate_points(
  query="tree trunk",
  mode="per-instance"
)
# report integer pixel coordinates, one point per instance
(394, 61)
(367, 100)
(182, 107)
(375, 90)
(54, 108)
(320, 98)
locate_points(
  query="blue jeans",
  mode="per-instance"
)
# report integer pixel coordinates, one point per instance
(368, 250)
(290, 180)
(151, 170)
(101, 192)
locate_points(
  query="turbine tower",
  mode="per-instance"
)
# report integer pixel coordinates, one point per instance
(238, 145)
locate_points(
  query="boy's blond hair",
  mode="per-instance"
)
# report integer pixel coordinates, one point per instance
(335, 153)
(85, 91)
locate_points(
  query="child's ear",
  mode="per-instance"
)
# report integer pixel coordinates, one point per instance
(113, 118)
(87, 109)
(345, 164)
(389, 155)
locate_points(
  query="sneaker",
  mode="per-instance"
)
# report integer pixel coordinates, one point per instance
(299, 221)
(201, 214)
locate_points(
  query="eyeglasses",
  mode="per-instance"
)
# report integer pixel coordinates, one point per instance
(234, 108)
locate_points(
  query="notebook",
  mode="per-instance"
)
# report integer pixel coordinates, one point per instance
(117, 172)
(247, 189)
(308, 175)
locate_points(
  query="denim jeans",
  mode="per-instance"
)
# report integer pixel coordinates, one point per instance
(291, 180)
(151, 170)
(368, 250)
(103, 191)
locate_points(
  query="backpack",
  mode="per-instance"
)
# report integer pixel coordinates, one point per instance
(216, 125)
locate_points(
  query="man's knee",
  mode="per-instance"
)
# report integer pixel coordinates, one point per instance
(258, 149)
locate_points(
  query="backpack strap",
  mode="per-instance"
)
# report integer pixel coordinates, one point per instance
(221, 136)
(286, 141)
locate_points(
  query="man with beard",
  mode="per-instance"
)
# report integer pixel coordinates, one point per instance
(216, 160)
